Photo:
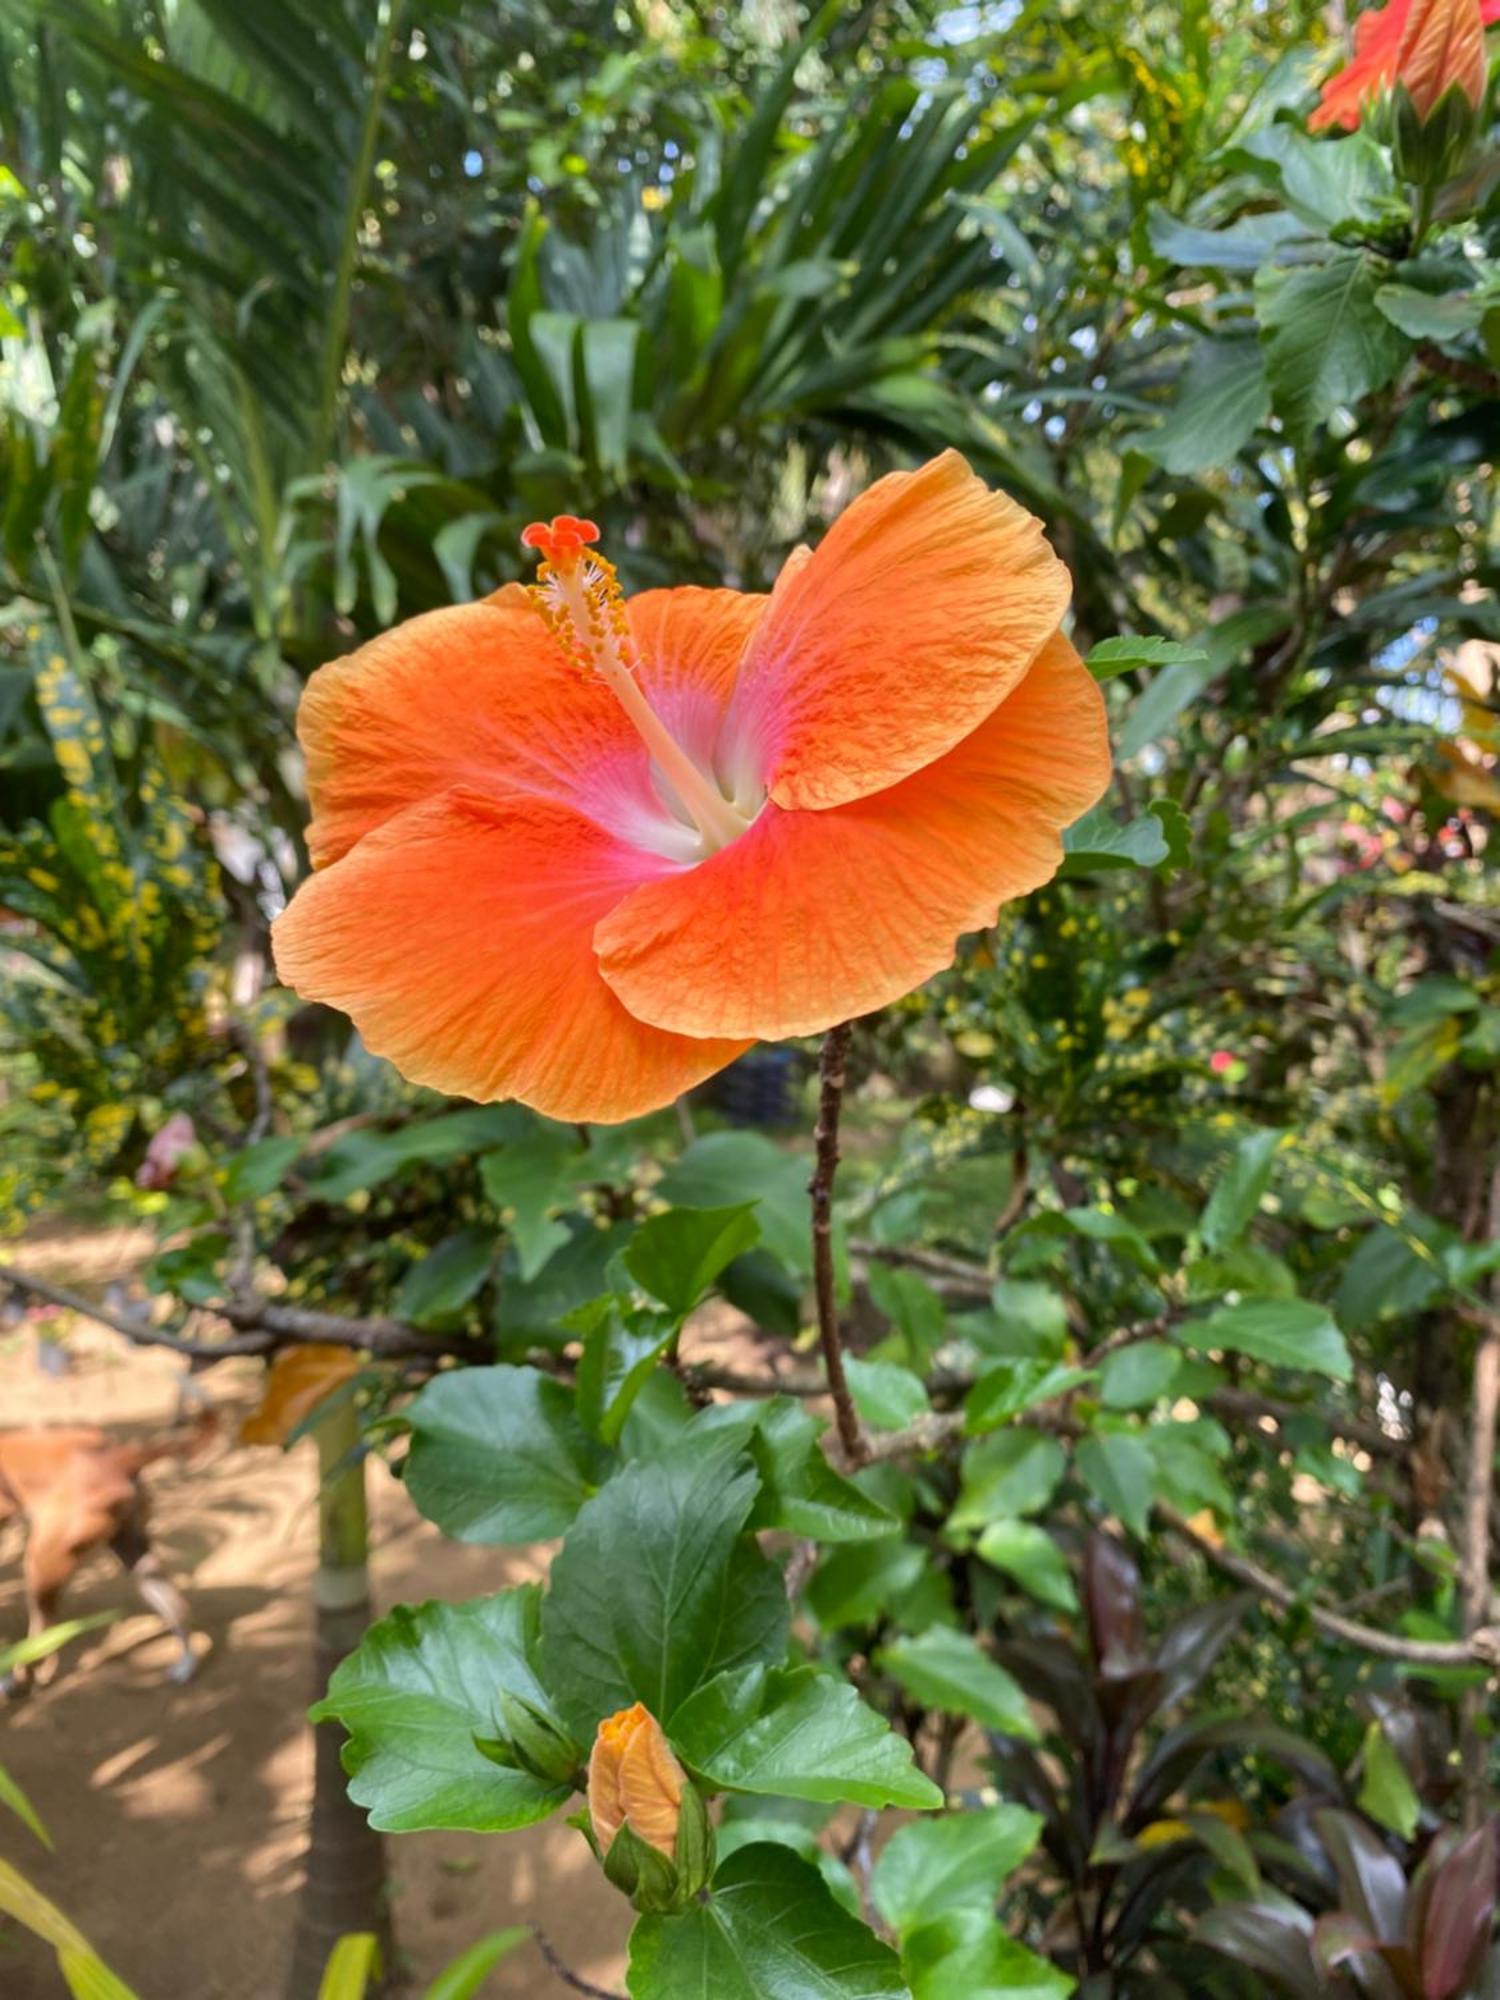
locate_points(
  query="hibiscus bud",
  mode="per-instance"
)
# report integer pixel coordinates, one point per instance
(649, 1824)
(1430, 55)
(1442, 50)
(536, 1741)
(635, 1780)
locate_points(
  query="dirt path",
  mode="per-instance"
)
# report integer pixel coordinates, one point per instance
(179, 1813)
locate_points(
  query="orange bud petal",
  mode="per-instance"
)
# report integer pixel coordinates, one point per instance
(1442, 49)
(635, 1781)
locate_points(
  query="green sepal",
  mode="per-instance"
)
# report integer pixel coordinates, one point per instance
(1430, 151)
(538, 1742)
(649, 1879)
(696, 1852)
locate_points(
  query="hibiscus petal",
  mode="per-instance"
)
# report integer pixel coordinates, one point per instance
(691, 643)
(475, 695)
(458, 937)
(920, 609)
(813, 917)
(1377, 40)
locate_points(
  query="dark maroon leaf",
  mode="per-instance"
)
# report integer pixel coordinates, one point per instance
(1419, 1889)
(1053, 1673)
(1460, 1915)
(1372, 1882)
(1190, 1648)
(1152, 1883)
(1271, 1942)
(1112, 1597)
(1182, 1749)
(1337, 1938)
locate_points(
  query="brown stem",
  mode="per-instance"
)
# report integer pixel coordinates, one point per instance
(565, 1973)
(265, 1325)
(1481, 1648)
(140, 1333)
(1474, 1754)
(831, 1079)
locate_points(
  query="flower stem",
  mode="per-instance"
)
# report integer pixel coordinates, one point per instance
(831, 1080)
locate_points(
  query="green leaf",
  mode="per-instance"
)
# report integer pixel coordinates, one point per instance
(677, 1256)
(468, 1972)
(658, 1588)
(1223, 400)
(1328, 181)
(887, 1397)
(1236, 1198)
(798, 1734)
(1029, 1554)
(1385, 1791)
(1014, 1473)
(1135, 1377)
(1288, 1333)
(571, 1277)
(1030, 1319)
(1099, 1225)
(1244, 245)
(363, 1160)
(607, 353)
(1005, 1391)
(352, 1964)
(260, 1168)
(620, 1350)
(11, 1795)
(1393, 1272)
(436, 1289)
(1327, 343)
(1431, 315)
(87, 1977)
(966, 1956)
(856, 1584)
(730, 1168)
(1121, 1473)
(498, 1455)
(528, 1178)
(418, 1690)
(1125, 654)
(951, 1671)
(1184, 1456)
(1099, 842)
(748, 1829)
(770, 1930)
(800, 1492)
(913, 1307)
(956, 1862)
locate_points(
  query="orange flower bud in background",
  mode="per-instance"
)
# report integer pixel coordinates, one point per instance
(635, 1781)
(1442, 49)
(1430, 46)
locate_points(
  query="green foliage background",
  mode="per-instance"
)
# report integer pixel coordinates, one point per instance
(1174, 1200)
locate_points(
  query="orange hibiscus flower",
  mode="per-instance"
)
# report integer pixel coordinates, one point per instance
(583, 850)
(1431, 46)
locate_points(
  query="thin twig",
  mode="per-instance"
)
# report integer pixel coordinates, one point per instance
(1476, 1545)
(139, 1332)
(241, 1273)
(831, 1079)
(264, 1324)
(565, 1973)
(1480, 1648)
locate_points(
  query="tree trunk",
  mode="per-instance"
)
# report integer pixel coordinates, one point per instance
(344, 1888)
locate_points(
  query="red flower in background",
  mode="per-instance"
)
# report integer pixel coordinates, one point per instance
(1431, 46)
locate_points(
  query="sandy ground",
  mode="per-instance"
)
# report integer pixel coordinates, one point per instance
(179, 1814)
